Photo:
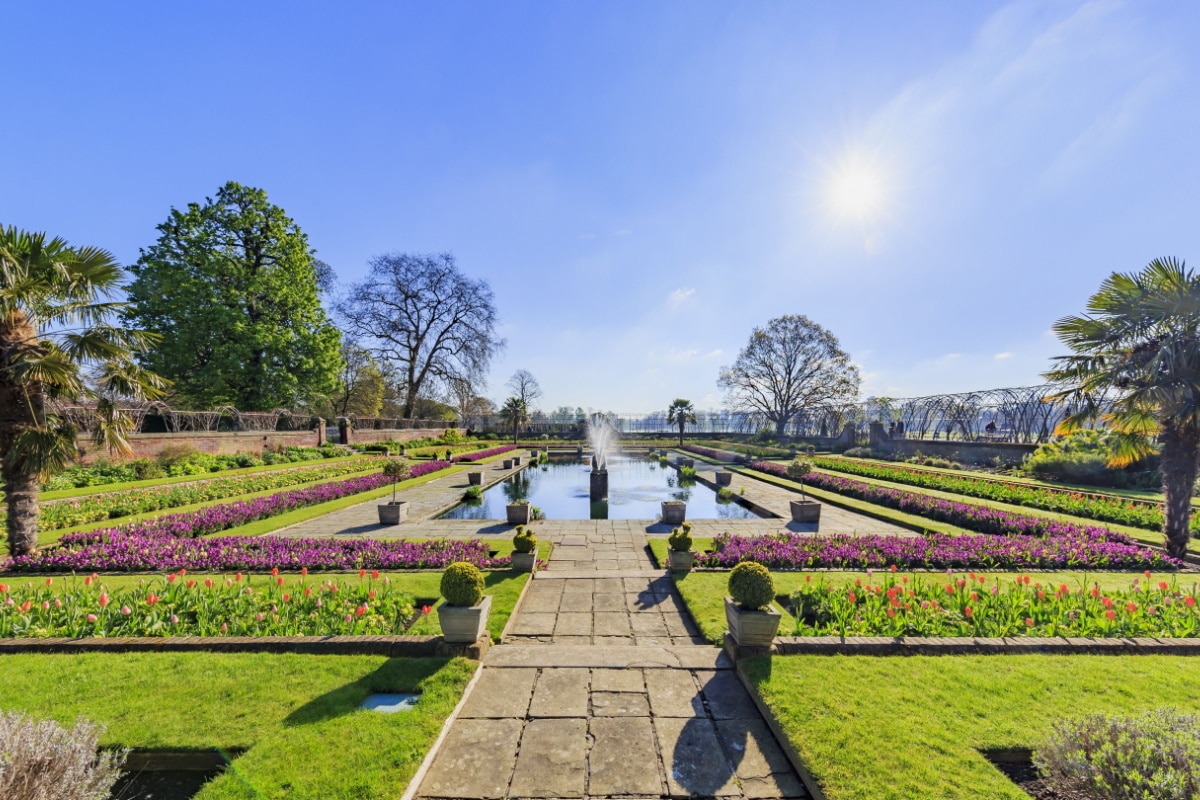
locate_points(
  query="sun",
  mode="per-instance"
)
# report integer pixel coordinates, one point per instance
(856, 190)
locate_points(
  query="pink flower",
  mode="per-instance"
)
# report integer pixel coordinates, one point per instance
(126, 611)
(91, 617)
(174, 620)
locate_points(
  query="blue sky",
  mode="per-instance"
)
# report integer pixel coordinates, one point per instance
(643, 183)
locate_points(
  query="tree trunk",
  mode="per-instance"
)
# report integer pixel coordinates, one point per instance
(1180, 450)
(18, 410)
(516, 427)
(681, 434)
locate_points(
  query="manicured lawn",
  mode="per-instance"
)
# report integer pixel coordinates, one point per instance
(912, 727)
(297, 715)
(704, 592)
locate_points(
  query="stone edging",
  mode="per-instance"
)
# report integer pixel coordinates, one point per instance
(912, 646)
(390, 646)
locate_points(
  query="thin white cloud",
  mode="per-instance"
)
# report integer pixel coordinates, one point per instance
(1003, 356)
(676, 298)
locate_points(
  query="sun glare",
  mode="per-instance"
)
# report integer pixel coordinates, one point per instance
(856, 191)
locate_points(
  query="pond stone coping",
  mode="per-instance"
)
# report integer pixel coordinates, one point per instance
(945, 646)
(390, 646)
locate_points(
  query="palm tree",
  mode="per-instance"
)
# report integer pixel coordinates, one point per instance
(1136, 369)
(681, 413)
(54, 322)
(516, 413)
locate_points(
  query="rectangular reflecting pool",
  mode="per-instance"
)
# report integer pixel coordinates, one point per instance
(636, 487)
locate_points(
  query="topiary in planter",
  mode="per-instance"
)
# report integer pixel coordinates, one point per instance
(751, 586)
(798, 470)
(462, 584)
(523, 540)
(398, 470)
(680, 539)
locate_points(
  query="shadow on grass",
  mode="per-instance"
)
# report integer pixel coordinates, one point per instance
(394, 675)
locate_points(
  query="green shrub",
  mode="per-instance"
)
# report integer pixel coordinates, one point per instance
(680, 540)
(725, 493)
(397, 469)
(523, 540)
(473, 493)
(462, 584)
(799, 469)
(175, 454)
(1156, 755)
(751, 586)
(1084, 457)
(452, 436)
(687, 473)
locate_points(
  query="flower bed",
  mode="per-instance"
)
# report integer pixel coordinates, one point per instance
(182, 606)
(1138, 513)
(216, 518)
(708, 452)
(66, 513)
(123, 551)
(791, 551)
(968, 606)
(482, 454)
(982, 519)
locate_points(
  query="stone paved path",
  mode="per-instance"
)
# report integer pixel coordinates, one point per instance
(602, 688)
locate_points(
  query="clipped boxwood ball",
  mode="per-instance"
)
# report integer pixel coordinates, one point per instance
(524, 541)
(462, 584)
(751, 586)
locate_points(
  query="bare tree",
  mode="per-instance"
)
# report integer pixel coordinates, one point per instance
(790, 364)
(525, 387)
(360, 384)
(420, 314)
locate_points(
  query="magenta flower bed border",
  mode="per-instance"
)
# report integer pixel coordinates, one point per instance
(791, 551)
(122, 551)
(482, 454)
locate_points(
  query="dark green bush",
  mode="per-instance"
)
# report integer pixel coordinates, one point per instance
(462, 584)
(1156, 755)
(1084, 457)
(751, 585)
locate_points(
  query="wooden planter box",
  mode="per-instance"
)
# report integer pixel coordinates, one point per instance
(523, 562)
(475, 478)
(464, 624)
(519, 513)
(806, 511)
(673, 512)
(393, 513)
(724, 478)
(680, 560)
(751, 628)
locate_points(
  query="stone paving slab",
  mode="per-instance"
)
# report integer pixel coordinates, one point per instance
(476, 759)
(682, 657)
(561, 693)
(697, 765)
(501, 693)
(619, 762)
(552, 761)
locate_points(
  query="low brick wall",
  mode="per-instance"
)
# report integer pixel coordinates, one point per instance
(967, 452)
(149, 445)
(948, 646)
(390, 646)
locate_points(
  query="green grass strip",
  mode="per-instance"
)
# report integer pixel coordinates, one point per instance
(913, 727)
(109, 488)
(297, 714)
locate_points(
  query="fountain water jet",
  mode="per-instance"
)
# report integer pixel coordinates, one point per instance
(603, 436)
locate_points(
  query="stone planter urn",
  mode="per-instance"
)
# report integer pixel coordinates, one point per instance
(393, 513)
(724, 477)
(519, 513)
(687, 462)
(751, 628)
(464, 624)
(516, 460)
(475, 478)
(508, 463)
(523, 562)
(673, 512)
(533, 454)
(806, 511)
(680, 560)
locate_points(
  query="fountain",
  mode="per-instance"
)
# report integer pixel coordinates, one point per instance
(602, 436)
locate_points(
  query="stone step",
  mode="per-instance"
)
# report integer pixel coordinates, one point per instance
(617, 657)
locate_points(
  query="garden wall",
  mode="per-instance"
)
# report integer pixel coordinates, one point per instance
(149, 445)
(1009, 453)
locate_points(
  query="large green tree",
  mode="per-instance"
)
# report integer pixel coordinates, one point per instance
(1136, 367)
(231, 286)
(55, 322)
